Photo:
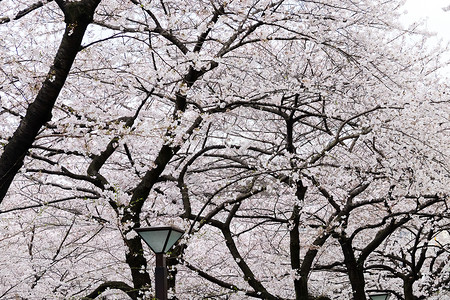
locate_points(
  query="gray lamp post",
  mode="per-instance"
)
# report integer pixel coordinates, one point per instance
(160, 240)
(380, 296)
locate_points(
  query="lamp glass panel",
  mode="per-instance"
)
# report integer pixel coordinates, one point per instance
(173, 238)
(379, 297)
(155, 239)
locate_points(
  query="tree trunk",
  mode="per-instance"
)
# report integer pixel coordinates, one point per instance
(408, 289)
(78, 15)
(306, 267)
(295, 250)
(295, 242)
(355, 271)
(138, 264)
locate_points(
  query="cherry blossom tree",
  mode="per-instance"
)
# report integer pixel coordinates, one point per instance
(301, 145)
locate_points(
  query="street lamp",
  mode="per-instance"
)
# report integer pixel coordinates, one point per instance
(160, 240)
(381, 296)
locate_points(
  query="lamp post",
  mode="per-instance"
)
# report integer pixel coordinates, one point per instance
(160, 240)
(380, 296)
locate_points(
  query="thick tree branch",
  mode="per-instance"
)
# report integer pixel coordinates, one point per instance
(25, 11)
(78, 15)
(248, 273)
(221, 283)
(115, 285)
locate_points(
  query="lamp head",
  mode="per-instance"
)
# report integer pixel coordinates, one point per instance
(380, 296)
(160, 239)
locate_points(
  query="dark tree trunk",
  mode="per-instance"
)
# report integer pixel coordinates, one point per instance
(78, 15)
(408, 289)
(306, 266)
(355, 271)
(138, 264)
(295, 241)
(295, 249)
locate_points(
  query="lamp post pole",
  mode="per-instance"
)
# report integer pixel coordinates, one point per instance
(160, 240)
(161, 277)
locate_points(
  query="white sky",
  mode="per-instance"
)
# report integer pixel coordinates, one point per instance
(437, 19)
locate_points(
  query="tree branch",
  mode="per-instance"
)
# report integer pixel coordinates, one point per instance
(115, 285)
